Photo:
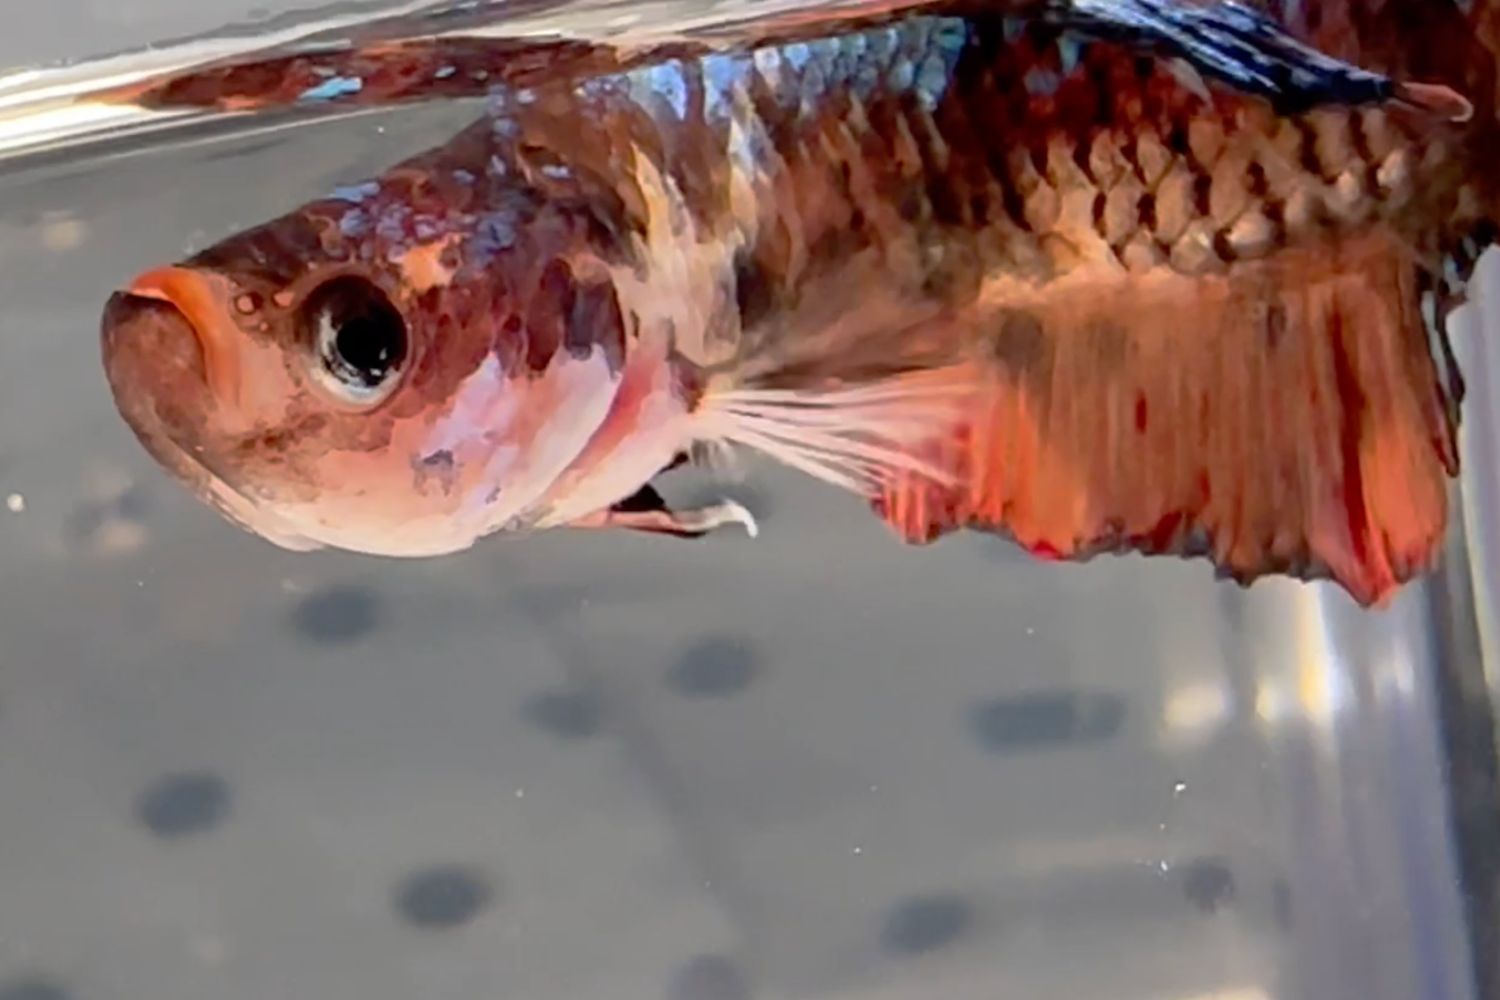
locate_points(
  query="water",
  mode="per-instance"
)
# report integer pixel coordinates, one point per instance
(815, 765)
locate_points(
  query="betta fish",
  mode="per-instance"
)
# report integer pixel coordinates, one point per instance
(1161, 276)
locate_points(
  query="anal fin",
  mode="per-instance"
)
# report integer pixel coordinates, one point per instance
(1285, 418)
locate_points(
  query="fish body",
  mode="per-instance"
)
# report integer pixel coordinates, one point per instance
(1151, 276)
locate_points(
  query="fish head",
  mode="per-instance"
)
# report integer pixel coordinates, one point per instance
(368, 374)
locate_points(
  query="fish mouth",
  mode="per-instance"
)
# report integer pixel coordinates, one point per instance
(158, 366)
(199, 301)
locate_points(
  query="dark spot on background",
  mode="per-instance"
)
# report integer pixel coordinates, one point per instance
(715, 667)
(443, 896)
(1208, 884)
(709, 977)
(1034, 721)
(189, 802)
(339, 613)
(572, 715)
(924, 924)
(33, 988)
(89, 518)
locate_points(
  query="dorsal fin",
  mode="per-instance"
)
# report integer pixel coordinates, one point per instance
(1230, 43)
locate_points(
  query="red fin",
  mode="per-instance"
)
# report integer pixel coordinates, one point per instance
(1286, 419)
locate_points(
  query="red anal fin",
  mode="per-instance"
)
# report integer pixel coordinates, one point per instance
(1286, 419)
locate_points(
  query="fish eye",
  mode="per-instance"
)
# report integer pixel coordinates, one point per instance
(357, 336)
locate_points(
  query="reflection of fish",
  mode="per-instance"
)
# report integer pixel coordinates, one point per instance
(1120, 274)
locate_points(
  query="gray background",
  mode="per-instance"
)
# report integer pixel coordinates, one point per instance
(818, 764)
(71, 30)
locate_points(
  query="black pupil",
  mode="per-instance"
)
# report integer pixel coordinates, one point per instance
(368, 340)
(368, 345)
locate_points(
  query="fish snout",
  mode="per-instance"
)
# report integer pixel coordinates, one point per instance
(151, 332)
(154, 364)
(197, 303)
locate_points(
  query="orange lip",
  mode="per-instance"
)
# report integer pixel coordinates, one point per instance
(205, 302)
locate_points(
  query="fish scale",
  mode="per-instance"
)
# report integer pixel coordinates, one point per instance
(1030, 144)
(1172, 200)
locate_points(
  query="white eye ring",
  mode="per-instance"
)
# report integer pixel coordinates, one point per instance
(359, 340)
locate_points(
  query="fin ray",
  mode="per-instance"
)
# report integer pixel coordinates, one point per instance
(856, 437)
